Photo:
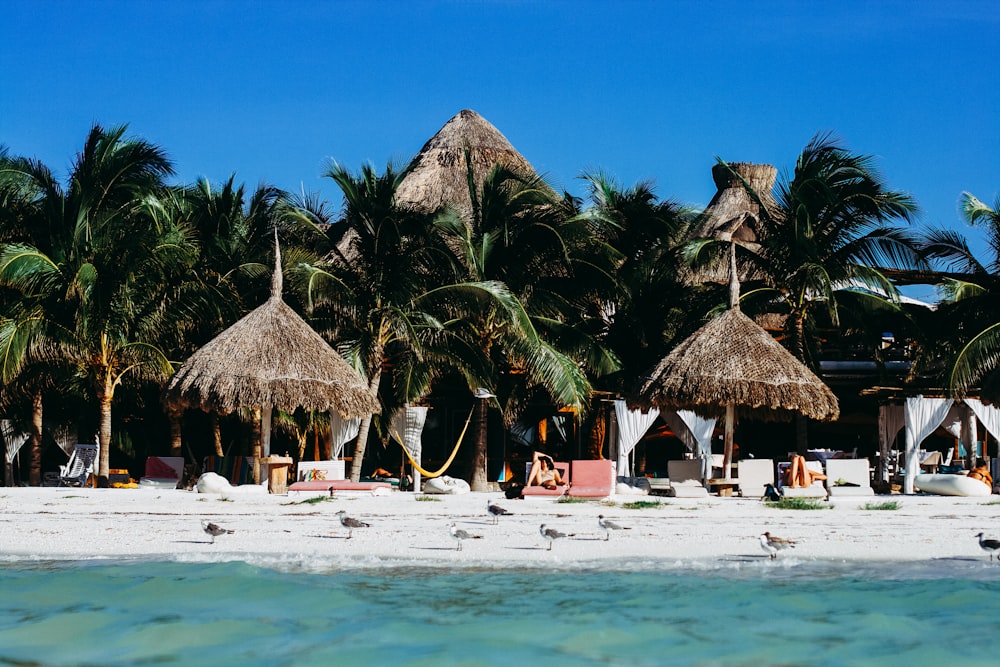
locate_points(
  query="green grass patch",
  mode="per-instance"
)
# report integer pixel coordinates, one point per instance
(992, 502)
(309, 501)
(640, 505)
(571, 499)
(887, 505)
(799, 504)
(427, 499)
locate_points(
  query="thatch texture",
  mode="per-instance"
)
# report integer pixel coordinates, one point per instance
(271, 357)
(439, 173)
(731, 360)
(733, 214)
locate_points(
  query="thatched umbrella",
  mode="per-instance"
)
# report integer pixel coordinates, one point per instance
(270, 358)
(439, 174)
(732, 365)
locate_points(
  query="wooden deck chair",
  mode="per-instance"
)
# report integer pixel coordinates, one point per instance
(81, 464)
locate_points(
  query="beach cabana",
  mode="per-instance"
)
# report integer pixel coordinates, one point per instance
(732, 366)
(270, 359)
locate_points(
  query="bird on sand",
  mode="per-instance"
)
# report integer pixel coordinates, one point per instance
(772, 544)
(988, 545)
(607, 525)
(550, 534)
(496, 511)
(459, 534)
(350, 523)
(214, 529)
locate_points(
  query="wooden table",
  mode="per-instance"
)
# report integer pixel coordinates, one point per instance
(724, 485)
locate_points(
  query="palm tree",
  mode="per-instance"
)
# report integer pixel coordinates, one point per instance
(547, 253)
(97, 272)
(823, 249)
(970, 306)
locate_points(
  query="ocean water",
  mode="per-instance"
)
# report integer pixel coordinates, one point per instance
(726, 612)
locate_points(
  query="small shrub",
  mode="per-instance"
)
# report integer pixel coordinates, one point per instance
(798, 504)
(427, 499)
(887, 505)
(309, 501)
(640, 504)
(571, 499)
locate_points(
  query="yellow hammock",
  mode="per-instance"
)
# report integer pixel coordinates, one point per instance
(416, 466)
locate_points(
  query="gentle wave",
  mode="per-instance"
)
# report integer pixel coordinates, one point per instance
(727, 612)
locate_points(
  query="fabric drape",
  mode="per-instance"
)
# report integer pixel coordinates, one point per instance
(695, 432)
(342, 431)
(632, 425)
(890, 421)
(922, 416)
(407, 425)
(988, 415)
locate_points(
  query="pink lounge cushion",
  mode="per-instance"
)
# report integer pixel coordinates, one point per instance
(565, 470)
(338, 485)
(164, 467)
(592, 479)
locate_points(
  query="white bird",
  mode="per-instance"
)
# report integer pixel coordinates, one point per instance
(550, 534)
(214, 529)
(460, 534)
(350, 523)
(496, 511)
(988, 545)
(608, 525)
(772, 544)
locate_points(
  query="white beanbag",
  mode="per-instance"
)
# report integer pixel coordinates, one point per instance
(211, 482)
(445, 484)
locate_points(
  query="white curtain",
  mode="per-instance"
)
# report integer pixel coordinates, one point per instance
(407, 425)
(632, 425)
(922, 416)
(890, 421)
(342, 431)
(989, 415)
(695, 432)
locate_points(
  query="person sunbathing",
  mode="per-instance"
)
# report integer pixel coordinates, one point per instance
(799, 475)
(982, 473)
(543, 472)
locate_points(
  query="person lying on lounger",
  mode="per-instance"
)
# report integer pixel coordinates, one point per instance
(799, 475)
(982, 473)
(543, 472)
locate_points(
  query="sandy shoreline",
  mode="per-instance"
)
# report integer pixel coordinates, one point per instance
(61, 524)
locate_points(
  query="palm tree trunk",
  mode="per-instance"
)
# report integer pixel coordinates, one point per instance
(216, 434)
(35, 476)
(801, 421)
(366, 423)
(176, 443)
(105, 393)
(478, 482)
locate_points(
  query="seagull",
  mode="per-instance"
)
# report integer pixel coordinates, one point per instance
(772, 544)
(460, 535)
(988, 545)
(550, 534)
(496, 511)
(214, 529)
(350, 523)
(608, 525)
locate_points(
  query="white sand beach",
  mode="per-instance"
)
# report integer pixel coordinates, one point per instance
(68, 523)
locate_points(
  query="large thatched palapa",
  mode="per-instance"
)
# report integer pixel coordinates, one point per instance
(731, 365)
(439, 173)
(271, 357)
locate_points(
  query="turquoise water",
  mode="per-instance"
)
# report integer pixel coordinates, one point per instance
(750, 612)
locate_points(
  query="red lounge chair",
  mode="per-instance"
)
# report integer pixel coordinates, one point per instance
(592, 479)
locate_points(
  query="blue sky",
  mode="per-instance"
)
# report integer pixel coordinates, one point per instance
(641, 90)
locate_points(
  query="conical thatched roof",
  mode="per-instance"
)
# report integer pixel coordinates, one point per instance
(271, 357)
(439, 173)
(731, 360)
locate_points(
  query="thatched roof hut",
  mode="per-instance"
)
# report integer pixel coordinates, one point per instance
(271, 357)
(439, 172)
(733, 215)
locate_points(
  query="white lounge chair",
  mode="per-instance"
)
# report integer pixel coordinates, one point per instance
(753, 475)
(815, 490)
(852, 471)
(685, 479)
(80, 465)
